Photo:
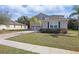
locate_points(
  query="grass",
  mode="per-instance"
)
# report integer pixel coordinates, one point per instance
(68, 41)
(11, 50)
(9, 31)
(6, 31)
(72, 33)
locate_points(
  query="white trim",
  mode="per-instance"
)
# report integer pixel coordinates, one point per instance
(53, 24)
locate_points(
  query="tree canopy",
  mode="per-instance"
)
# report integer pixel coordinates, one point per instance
(4, 19)
(76, 12)
(24, 20)
(34, 20)
(73, 24)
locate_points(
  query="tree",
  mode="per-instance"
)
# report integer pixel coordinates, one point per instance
(24, 20)
(4, 19)
(76, 12)
(34, 20)
(72, 24)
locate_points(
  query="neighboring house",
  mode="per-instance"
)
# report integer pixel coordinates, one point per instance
(51, 22)
(12, 25)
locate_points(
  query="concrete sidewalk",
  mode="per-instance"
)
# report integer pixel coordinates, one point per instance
(4, 36)
(35, 48)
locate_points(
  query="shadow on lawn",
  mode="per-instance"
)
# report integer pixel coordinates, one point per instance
(54, 35)
(65, 35)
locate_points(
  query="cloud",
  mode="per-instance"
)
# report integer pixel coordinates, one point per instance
(31, 10)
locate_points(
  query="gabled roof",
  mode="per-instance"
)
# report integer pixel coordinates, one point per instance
(42, 16)
(14, 23)
(10, 22)
(56, 16)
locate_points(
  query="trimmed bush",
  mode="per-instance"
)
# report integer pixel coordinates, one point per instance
(49, 30)
(64, 31)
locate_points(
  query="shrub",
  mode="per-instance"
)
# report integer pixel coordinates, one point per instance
(64, 31)
(50, 30)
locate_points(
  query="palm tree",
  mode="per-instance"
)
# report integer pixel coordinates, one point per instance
(76, 13)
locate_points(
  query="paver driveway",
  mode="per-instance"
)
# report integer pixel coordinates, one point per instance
(31, 47)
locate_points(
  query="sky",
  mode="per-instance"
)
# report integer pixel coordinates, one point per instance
(31, 10)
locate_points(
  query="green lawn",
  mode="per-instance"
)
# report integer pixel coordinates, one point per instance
(9, 31)
(69, 41)
(6, 31)
(11, 50)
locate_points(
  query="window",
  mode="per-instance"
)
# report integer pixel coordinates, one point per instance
(55, 26)
(51, 26)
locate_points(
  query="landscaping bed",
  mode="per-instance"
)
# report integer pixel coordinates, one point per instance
(51, 40)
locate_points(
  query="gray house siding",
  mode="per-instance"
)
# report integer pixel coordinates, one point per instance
(45, 24)
(54, 24)
(63, 24)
